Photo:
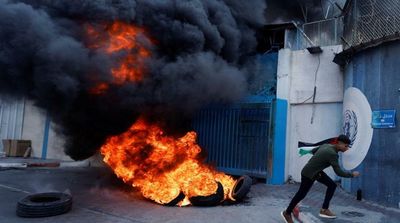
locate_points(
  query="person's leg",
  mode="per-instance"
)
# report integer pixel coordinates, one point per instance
(305, 186)
(331, 186)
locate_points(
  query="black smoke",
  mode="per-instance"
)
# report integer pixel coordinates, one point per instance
(203, 54)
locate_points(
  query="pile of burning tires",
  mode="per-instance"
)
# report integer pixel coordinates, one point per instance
(237, 194)
(55, 203)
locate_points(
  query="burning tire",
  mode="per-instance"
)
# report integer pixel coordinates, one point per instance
(176, 200)
(241, 188)
(211, 200)
(44, 205)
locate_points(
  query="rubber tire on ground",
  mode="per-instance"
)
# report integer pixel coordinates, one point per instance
(241, 187)
(211, 200)
(176, 200)
(44, 205)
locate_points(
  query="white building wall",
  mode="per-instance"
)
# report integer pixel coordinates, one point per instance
(315, 69)
(34, 128)
(21, 119)
(298, 73)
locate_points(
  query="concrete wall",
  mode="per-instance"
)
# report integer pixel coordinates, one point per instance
(21, 119)
(376, 73)
(298, 73)
(34, 129)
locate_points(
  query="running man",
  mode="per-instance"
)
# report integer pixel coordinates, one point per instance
(323, 156)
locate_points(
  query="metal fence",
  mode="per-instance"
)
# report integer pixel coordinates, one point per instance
(322, 33)
(236, 139)
(368, 20)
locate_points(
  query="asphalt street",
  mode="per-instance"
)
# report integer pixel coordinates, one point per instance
(98, 196)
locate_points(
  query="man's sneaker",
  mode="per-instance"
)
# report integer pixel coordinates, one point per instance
(287, 217)
(326, 213)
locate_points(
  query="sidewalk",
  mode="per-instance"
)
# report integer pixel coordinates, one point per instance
(99, 197)
(20, 162)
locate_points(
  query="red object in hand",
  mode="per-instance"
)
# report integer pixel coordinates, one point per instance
(296, 212)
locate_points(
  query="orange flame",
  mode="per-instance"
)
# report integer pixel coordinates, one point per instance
(161, 166)
(127, 41)
(99, 88)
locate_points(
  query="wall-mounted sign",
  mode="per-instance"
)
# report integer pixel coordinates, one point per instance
(383, 119)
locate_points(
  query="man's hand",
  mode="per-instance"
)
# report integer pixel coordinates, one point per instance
(355, 173)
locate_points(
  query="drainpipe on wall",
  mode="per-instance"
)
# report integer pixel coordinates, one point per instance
(46, 136)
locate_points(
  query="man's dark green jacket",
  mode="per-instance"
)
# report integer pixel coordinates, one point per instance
(324, 156)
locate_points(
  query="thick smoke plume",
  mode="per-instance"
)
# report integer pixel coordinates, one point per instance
(202, 53)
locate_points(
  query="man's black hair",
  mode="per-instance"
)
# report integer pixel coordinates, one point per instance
(344, 139)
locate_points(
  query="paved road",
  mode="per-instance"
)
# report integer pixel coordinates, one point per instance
(100, 197)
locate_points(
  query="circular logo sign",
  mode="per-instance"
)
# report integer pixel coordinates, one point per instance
(350, 127)
(357, 116)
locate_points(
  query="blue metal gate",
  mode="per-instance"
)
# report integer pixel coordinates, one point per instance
(236, 138)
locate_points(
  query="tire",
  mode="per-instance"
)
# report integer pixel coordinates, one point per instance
(211, 200)
(44, 205)
(176, 200)
(241, 188)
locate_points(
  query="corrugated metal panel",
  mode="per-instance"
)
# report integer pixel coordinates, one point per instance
(11, 119)
(236, 138)
(375, 73)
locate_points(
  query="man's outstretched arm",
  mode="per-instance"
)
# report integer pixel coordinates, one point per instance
(335, 165)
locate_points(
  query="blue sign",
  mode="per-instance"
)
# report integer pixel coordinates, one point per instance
(384, 119)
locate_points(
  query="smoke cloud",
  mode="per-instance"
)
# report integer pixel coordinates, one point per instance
(202, 54)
